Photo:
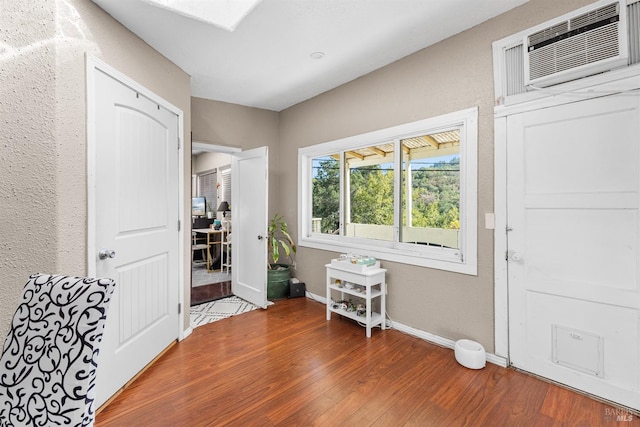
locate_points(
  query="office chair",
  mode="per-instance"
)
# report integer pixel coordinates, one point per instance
(198, 243)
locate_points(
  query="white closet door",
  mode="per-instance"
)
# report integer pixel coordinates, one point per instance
(136, 198)
(573, 195)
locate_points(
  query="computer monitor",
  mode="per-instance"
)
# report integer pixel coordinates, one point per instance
(198, 206)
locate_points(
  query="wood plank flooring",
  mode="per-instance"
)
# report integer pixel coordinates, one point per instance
(213, 291)
(288, 366)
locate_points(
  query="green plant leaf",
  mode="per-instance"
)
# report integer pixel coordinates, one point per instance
(278, 236)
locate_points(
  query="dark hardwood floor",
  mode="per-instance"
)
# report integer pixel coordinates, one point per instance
(213, 291)
(288, 366)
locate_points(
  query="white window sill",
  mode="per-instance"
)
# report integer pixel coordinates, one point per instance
(440, 261)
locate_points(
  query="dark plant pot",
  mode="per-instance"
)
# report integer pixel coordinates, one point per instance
(278, 281)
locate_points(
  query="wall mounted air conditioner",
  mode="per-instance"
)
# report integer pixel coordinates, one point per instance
(575, 46)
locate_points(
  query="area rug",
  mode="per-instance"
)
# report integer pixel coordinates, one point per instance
(199, 276)
(213, 311)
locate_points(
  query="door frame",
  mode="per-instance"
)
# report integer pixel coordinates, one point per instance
(94, 65)
(208, 148)
(213, 148)
(619, 81)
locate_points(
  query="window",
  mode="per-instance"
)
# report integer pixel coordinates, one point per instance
(430, 189)
(207, 188)
(404, 194)
(226, 184)
(370, 192)
(325, 214)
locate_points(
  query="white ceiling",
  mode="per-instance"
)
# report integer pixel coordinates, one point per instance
(266, 62)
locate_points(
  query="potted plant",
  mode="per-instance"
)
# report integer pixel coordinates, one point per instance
(278, 274)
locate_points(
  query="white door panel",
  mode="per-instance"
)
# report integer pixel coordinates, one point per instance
(136, 201)
(573, 180)
(583, 153)
(576, 265)
(249, 212)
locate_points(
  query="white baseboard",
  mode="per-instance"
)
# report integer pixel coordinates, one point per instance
(316, 297)
(444, 342)
(435, 339)
(185, 333)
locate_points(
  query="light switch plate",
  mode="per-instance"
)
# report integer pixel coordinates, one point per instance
(489, 221)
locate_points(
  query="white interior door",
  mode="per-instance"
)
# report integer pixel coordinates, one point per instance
(136, 217)
(249, 182)
(573, 207)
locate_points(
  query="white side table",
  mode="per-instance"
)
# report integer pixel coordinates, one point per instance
(370, 284)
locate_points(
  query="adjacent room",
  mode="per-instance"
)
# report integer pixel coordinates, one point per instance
(321, 212)
(211, 224)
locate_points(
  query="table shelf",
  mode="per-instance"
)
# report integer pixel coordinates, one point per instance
(376, 318)
(374, 292)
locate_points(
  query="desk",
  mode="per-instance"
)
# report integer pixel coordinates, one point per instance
(214, 238)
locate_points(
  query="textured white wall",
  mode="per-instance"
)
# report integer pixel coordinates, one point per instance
(43, 219)
(28, 201)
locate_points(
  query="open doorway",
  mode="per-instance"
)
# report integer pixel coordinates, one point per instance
(211, 223)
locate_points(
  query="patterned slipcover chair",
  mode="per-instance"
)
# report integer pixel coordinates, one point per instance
(49, 359)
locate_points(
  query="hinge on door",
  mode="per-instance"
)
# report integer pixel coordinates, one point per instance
(179, 142)
(179, 308)
(179, 224)
(506, 255)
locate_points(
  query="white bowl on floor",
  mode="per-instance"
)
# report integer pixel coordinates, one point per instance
(470, 354)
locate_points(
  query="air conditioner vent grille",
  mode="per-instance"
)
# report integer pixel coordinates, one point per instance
(579, 50)
(633, 17)
(594, 16)
(548, 33)
(573, 27)
(514, 67)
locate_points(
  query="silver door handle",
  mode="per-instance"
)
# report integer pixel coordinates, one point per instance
(107, 253)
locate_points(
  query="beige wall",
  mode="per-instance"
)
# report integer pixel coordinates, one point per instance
(242, 127)
(450, 76)
(43, 215)
(205, 162)
(42, 144)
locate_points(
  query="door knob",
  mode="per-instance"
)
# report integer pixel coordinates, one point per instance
(515, 256)
(106, 253)
(260, 237)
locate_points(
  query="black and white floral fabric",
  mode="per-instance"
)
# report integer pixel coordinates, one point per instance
(49, 359)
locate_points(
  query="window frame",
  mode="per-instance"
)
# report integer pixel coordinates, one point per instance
(462, 260)
(225, 180)
(208, 180)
